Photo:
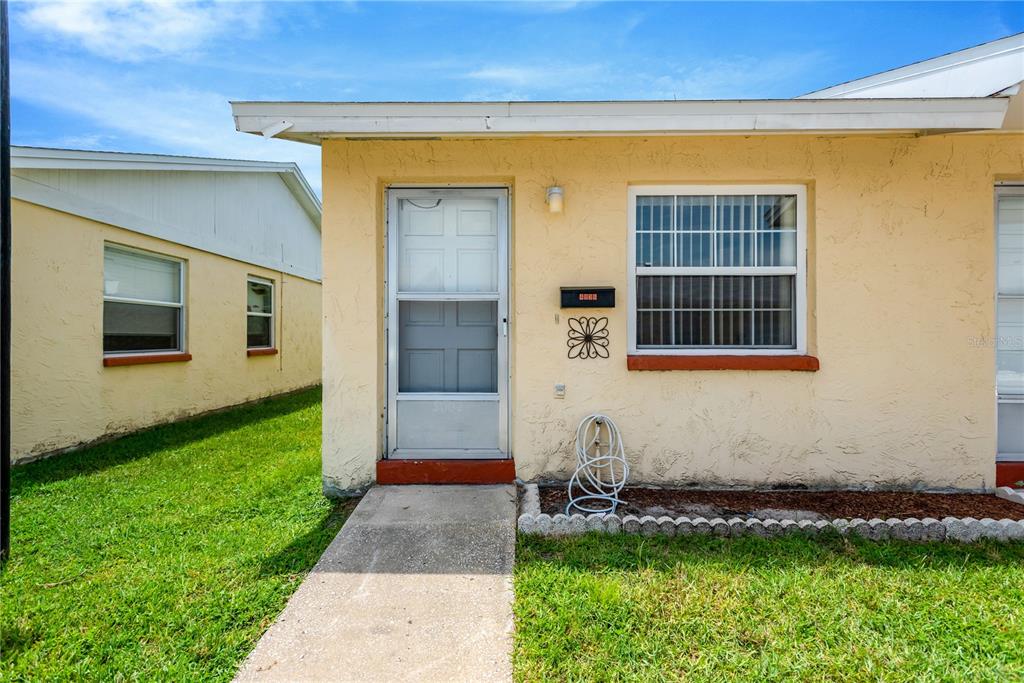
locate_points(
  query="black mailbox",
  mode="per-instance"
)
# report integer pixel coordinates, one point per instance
(588, 297)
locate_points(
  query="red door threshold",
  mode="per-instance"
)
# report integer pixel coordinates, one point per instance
(1009, 473)
(446, 471)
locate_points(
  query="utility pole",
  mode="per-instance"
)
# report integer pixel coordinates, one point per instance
(5, 287)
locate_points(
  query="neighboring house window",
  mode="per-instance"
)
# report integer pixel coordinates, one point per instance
(717, 269)
(260, 314)
(143, 309)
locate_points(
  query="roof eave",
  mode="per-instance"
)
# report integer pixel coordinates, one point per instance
(948, 63)
(313, 121)
(303, 192)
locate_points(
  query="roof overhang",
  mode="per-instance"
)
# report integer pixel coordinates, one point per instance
(313, 121)
(977, 71)
(74, 159)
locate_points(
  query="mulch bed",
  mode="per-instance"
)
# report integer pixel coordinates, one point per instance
(827, 504)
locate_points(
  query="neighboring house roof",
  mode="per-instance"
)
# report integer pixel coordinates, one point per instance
(313, 121)
(993, 68)
(964, 91)
(259, 212)
(49, 157)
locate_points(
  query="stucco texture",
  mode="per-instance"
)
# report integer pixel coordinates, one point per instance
(62, 395)
(900, 295)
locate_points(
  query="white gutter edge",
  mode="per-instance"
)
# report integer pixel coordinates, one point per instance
(48, 157)
(504, 119)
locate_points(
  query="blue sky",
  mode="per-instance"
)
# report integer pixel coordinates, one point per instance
(157, 76)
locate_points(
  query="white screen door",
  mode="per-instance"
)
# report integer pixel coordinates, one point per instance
(447, 323)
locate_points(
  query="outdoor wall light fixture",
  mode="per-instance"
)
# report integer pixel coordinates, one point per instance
(555, 199)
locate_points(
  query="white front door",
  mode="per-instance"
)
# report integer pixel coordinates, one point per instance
(447, 323)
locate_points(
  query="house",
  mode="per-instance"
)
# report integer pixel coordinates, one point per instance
(147, 288)
(793, 292)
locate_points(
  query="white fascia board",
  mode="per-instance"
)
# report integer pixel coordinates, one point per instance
(51, 198)
(318, 120)
(43, 157)
(974, 72)
(73, 159)
(301, 190)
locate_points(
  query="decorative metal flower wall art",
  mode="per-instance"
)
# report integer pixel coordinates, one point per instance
(588, 337)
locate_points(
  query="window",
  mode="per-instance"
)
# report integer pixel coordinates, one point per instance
(717, 269)
(1010, 322)
(143, 309)
(259, 311)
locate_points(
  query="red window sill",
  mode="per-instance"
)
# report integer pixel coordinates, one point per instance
(261, 352)
(723, 362)
(145, 358)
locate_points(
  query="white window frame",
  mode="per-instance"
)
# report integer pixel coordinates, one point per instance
(1002, 190)
(271, 315)
(799, 270)
(180, 305)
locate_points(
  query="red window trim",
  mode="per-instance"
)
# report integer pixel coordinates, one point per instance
(261, 352)
(722, 362)
(145, 358)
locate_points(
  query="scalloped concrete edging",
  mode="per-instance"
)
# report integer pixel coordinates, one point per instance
(530, 502)
(1006, 493)
(952, 529)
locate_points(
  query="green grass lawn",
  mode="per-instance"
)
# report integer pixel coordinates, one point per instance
(166, 554)
(627, 608)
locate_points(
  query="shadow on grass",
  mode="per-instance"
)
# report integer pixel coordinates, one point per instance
(597, 552)
(302, 553)
(145, 443)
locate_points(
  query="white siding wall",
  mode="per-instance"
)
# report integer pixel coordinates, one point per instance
(250, 216)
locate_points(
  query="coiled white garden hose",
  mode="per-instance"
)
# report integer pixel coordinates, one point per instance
(601, 467)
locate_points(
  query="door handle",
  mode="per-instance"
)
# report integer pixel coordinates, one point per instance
(504, 327)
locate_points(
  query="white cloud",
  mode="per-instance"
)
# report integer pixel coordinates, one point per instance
(542, 77)
(736, 76)
(541, 6)
(173, 120)
(87, 141)
(134, 30)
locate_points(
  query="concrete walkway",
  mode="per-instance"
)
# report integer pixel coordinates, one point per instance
(416, 587)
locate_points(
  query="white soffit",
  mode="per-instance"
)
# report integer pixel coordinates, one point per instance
(313, 121)
(978, 71)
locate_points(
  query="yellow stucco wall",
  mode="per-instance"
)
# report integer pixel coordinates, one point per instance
(61, 393)
(901, 285)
